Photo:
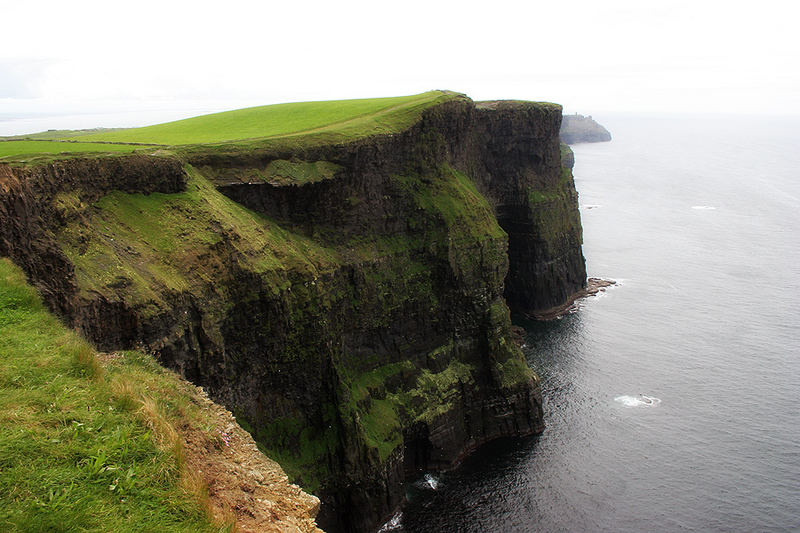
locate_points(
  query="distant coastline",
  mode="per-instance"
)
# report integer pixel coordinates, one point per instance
(582, 129)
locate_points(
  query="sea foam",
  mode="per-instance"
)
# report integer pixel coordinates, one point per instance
(396, 522)
(638, 401)
(431, 481)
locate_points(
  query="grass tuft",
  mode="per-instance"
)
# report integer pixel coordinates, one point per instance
(84, 358)
(124, 394)
(164, 433)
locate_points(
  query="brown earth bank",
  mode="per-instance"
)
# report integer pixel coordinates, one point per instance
(356, 323)
(244, 486)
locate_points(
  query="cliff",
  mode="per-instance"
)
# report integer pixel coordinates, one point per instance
(580, 129)
(114, 442)
(346, 300)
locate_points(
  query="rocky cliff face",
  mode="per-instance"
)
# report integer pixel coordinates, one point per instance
(347, 302)
(580, 129)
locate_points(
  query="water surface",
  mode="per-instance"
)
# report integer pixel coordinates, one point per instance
(670, 400)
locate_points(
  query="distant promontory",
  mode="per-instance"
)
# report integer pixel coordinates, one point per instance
(580, 129)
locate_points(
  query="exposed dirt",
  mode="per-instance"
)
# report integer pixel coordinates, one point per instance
(242, 482)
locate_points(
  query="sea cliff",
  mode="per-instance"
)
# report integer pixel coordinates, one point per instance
(580, 129)
(348, 301)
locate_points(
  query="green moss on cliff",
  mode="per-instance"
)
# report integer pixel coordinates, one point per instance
(383, 429)
(435, 393)
(284, 172)
(419, 395)
(141, 248)
(554, 212)
(450, 199)
(303, 451)
(458, 220)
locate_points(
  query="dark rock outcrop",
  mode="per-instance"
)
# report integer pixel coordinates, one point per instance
(580, 129)
(357, 323)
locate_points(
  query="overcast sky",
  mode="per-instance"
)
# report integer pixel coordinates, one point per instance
(145, 62)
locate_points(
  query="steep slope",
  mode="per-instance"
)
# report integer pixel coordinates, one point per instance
(345, 299)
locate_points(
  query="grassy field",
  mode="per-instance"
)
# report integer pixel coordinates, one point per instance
(21, 148)
(330, 121)
(55, 134)
(350, 117)
(88, 442)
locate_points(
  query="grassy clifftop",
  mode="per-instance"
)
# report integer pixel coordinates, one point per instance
(351, 118)
(336, 120)
(102, 442)
(25, 147)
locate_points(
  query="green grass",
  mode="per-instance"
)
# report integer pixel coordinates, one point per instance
(76, 451)
(349, 118)
(314, 122)
(17, 148)
(451, 197)
(139, 247)
(381, 419)
(435, 393)
(566, 151)
(283, 172)
(55, 134)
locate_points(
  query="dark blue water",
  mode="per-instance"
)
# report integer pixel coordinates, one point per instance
(671, 401)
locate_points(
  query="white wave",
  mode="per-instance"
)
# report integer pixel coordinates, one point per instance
(431, 481)
(638, 401)
(395, 522)
(703, 207)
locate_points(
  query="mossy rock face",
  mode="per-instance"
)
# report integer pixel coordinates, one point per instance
(346, 300)
(287, 172)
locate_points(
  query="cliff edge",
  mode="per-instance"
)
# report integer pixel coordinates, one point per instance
(345, 296)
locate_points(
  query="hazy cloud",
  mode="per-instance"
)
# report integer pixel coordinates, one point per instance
(22, 78)
(619, 55)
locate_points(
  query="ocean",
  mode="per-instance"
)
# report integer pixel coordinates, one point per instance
(671, 400)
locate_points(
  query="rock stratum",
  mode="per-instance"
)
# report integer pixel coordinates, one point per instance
(347, 301)
(580, 129)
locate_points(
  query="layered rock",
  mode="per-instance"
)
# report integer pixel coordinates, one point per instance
(347, 302)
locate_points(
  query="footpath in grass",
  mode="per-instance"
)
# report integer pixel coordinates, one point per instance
(88, 441)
